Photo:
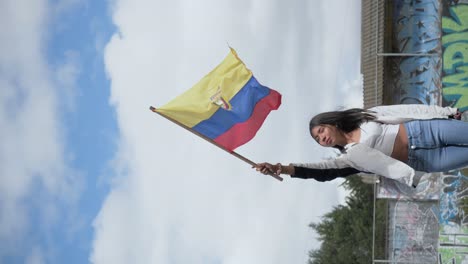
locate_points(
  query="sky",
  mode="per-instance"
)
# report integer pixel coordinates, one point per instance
(89, 175)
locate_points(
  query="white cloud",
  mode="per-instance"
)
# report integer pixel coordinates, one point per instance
(180, 200)
(36, 257)
(66, 76)
(354, 92)
(34, 176)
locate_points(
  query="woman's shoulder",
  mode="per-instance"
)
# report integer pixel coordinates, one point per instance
(370, 126)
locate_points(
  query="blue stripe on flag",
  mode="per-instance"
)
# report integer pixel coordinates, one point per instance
(242, 104)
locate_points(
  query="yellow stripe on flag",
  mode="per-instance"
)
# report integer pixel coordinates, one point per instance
(195, 105)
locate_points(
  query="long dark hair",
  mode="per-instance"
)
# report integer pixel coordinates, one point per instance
(346, 120)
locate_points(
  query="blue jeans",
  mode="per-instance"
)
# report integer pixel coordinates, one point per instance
(437, 145)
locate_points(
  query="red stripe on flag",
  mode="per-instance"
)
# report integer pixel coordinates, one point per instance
(241, 133)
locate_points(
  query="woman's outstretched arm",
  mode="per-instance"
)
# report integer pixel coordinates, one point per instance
(321, 175)
(371, 160)
(366, 159)
(413, 111)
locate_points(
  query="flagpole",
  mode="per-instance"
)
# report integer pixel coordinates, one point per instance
(235, 154)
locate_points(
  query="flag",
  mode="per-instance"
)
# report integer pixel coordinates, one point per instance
(227, 106)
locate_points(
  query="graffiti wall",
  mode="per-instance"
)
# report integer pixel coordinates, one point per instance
(428, 188)
(455, 54)
(453, 203)
(415, 29)
(453, 219)
(430, 39)
(412, 238)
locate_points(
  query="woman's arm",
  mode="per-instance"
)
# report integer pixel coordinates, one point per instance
(321, 175)
(413, 111)
(365, 158)
(335, 163)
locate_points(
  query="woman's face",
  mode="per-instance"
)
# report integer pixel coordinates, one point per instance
(326, 135)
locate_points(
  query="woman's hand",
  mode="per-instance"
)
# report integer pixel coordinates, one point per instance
(458, 115)
(267, 168)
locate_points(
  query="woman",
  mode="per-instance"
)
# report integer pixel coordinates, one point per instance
(398, 141)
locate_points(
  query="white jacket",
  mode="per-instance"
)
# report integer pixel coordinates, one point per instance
(367, 159)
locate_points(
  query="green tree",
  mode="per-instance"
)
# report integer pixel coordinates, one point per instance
(346, 232)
